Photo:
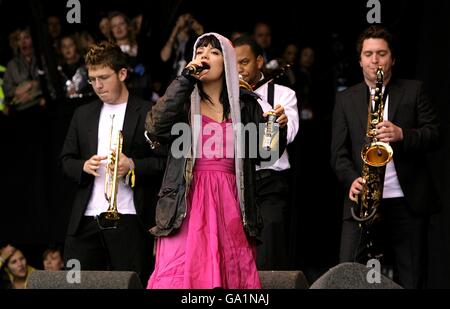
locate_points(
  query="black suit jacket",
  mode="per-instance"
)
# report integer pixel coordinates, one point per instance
(81, 144)
(410, 109)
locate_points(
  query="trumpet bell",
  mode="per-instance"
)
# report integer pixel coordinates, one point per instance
(377, 154)
(244, 84)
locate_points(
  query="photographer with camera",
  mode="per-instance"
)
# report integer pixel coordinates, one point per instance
(177, 51)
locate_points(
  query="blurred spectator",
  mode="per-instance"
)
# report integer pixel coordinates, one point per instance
(86, 41)
(16, 269)
(3, 106)
(305, 83)
(21, 80)
(123, 33)
(136, 23)
(236, 34)
(52, 259)
(138, 79)
(54, 30)
(177, 51)
(262, 34)
(73, 71)
(105, 28)
(54, 27)
(289, 57)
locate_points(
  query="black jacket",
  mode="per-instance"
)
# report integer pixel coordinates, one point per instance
(81, 143)
(410, 109)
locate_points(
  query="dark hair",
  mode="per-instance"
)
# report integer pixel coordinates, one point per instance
(376, 32)
(246, 40)
(74, 39)
(130, 34)
(214, 42)
(14, 38)
(51, 250)
(106, 54)
(207, 40)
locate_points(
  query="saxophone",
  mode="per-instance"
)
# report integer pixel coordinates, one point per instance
(375, 155)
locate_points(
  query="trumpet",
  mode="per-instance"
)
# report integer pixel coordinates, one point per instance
(244, 85)
(111, 177)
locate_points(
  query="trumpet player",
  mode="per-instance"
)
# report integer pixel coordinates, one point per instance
(271, 180)
(96, 242)
(410, 127)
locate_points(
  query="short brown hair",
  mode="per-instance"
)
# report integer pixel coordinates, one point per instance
(51, 250)
(106, 54)
(376, 32)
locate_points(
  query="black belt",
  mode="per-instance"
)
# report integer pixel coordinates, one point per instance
(261, 174)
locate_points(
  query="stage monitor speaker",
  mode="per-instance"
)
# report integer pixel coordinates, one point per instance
(41, 279)
(351, 276)
(289, 279)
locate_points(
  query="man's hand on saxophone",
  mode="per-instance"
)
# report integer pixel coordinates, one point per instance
(388, 132)
(355, 189)
(93, 164)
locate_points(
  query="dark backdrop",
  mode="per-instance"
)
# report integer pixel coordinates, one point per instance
(35, 199)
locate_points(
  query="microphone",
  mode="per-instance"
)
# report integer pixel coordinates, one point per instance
(194, 69)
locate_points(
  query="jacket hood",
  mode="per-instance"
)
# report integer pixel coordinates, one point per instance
(232, 82)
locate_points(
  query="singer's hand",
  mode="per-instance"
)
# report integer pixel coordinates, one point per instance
(196, 63)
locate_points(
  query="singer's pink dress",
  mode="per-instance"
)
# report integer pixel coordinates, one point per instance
(210, 249)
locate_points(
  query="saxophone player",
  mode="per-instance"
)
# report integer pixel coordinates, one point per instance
(98, 243)
(410, 126)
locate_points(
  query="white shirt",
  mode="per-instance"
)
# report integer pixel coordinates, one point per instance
(285, 97)
(392, 186)
(97, 202)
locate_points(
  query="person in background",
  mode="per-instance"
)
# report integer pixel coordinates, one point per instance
(72, 70)
(16, 268)
(105, 28)
(21, 81)
(52, 259)
(271, 180)
(177, 51)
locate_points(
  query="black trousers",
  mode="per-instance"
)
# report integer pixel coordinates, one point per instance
(399, 233)
(121, 246)
(272, 197)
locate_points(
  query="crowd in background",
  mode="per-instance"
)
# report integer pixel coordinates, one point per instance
(39, 108)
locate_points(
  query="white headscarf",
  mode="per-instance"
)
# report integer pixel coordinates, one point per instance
(232, 82)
